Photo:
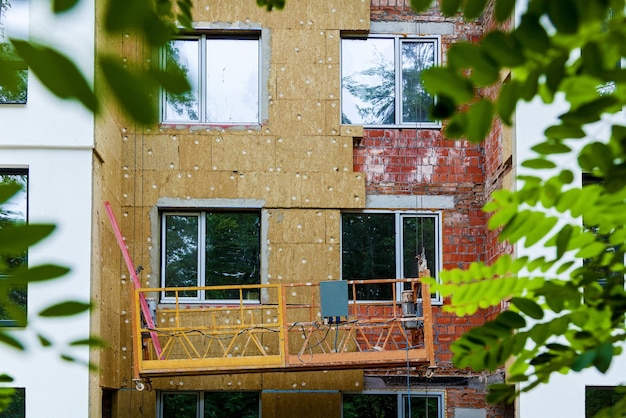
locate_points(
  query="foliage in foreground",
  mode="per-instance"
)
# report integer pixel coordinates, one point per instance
(568, 305)
(15, 239)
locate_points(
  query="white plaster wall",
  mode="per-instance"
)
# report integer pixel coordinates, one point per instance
(59, 193)
(564, 395)
(46, 120)
(54, 139)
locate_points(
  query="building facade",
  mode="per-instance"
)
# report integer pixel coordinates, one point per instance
(304, 154)
(46, 145)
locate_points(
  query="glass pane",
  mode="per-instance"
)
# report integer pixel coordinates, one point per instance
(367, 81)
(233, 249)
(370, 406)
(17, 407)
(416, 102)
(14, 212)
(231, 405)
(180, 405)
(600, 397)
(181, 253)
(183, 107)
(368, 251)
(415, 407)
(418, 233)
(13, 23)
(232, 80)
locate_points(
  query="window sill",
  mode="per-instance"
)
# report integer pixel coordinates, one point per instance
(174, 126)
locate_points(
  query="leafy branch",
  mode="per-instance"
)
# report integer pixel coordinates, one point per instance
(567, 306)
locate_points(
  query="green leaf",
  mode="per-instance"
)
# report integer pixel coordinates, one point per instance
(604, 356)
(39, 273)
(485, 71)
(173, 81)
(592, 58)
(562, 240)
(45, 342)
(511, 319)
(67, 308)
(11, 341)
(503, 48)
(17, 238)
(92, 341)
(417, 5)
(564, 131)
(507, 101)
(8, 190)
(528, 306)
(60, 6)
(564, 15)
(538, 163)
(450, 7)
(5, 378)
(443, 108)
(445, 81)
(504, 9)
(132, 91)
(532, 34)
(502, 217)
(589, 112)
(551, 147)
(474, 8)
(480, 118)
(554, 72)
(57, 73)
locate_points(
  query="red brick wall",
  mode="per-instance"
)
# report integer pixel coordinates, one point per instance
(424, 162)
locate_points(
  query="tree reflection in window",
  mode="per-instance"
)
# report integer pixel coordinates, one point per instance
(13, 212)
(13, 70)
(385, 246)
(181, 57)
(374, 84)
(211, 248)
(223, 70)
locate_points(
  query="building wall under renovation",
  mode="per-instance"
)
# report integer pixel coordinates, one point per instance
(303, 168)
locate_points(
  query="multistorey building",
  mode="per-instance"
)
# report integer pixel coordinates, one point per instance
(303, 155)
(46, 146)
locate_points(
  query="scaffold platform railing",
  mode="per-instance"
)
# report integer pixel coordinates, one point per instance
(279, 327)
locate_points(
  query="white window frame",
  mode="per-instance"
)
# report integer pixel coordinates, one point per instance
(203, 94)
(434, 267)
(402, 395)
(399, 40)
(200, 278)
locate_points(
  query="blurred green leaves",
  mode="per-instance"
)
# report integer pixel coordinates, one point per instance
(567, 306)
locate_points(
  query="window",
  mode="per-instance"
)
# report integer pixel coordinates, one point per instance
(392, 405)
(13, 70)
(15, 403)
(209, 405)
(384, 245)
(381, 80)
(12, 212)
(224, 75)
(600, 397)
(595, 271)
(210, 248)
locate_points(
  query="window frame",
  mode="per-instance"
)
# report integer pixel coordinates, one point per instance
(401, 396)
(200, 213)
(203, 95)
(200, 400)
(398, 41)
(19, 171)
(399, 216)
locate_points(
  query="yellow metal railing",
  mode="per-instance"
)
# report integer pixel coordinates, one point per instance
(280, 327)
